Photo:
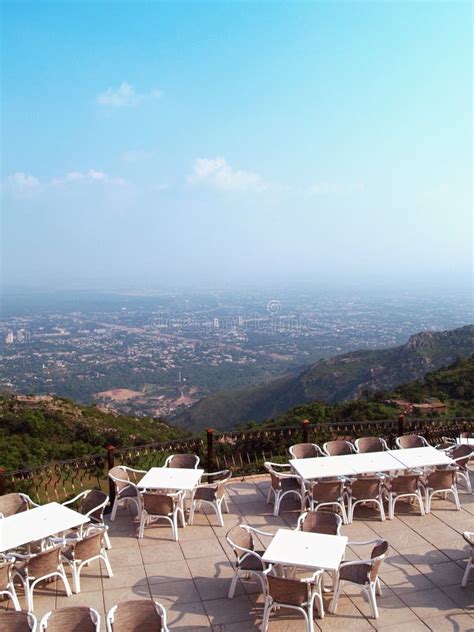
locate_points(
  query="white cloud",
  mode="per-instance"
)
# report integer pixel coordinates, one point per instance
(218, 173)
(23, 180)
(92, 176)
(125, 96)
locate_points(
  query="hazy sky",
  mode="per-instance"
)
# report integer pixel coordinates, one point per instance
(161, 143)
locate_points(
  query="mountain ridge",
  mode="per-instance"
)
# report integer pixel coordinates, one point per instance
(343, 377)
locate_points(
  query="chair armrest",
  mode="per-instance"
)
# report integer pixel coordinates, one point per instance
(133, 470)
(355, 563)
(365, 542)
(269, 535)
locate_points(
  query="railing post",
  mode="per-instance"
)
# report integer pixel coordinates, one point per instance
(110, 465)
(210, 449)
(401, 424)
(2, 481)
(305, 430)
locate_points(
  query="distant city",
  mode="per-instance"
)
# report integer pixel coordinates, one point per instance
(156, 354)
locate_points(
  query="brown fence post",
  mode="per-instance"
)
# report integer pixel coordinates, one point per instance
(210, 449)
(110, 465)
(305, 430)
(2, 480)
(401, 420)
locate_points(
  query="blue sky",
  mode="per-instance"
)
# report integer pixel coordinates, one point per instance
(212, 144)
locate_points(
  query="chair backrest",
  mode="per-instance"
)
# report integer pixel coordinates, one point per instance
(327, 491)
(405, 483)
(290, 591)
(305, 451)
(72, 619)
(370, 444)
(378, 553)
(94, 501)
(239, 536)
(120, 477)
(5, 572)
(411, 441)
(462, 453)
(14, 621)
(11, 504)
(137, 615)
(189, 461)
(366, 487)
(441, 478)
(89, 546)
(44, 563)
(326, 522)
(336, 448)
(157, 504)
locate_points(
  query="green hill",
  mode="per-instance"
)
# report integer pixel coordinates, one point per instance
(345, 377)
(38, 430)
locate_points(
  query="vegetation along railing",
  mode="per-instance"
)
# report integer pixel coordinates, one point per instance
(244, 452)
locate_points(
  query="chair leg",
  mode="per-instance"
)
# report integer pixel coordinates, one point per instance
(269, 495)
(456, 497)
(191, 512)
(373, 600)
(76, 578)
(218, 508)
(420, 503)
(62, 575)
(465, 577)
(233, 584)
(266, 614)
(343, 513)
(106, 560)
(382, 511)
(14, 598)
(276, 506)
(114, 508)
(108, 543)
(378, 587)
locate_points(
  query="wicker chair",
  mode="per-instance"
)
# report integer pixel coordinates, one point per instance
(326, 522)
(92, 503)
(38, 567)
(73, 619)
(11, 504)
(126, 492)
(6, 583)
(411, 441)
(305, 451)
(161, 507)
(403, 486)
(212, 494)
(17, 621)
(370, 444)
(366, 489)
(81, 550)
(469, 537)
(248, 560)
(461, 455)
(362, 572)
(282, 484)
(188, 461)
(326, 493)
(137, 615)
(296, 594)
(440, 481)
(337, 448)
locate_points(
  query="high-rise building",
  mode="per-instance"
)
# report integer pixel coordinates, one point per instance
(216, 323)
(9, 338)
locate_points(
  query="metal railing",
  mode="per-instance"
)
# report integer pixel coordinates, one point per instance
(242, 451)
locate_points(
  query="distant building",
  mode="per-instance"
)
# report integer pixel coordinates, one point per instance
(9, 338)
(216, 323)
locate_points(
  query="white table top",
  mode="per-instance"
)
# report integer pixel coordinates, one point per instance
(36, 524)
(323, 466)
(346, 465)
(305, 549)
(465, 440)
(369, 462)
(421, 457)
(175, 478)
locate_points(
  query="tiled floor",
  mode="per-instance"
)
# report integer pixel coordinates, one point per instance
(421, 577)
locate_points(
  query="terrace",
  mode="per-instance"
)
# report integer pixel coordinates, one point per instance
(421, 575)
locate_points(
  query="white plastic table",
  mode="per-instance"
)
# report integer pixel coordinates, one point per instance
(306, 549)
(422, 457)
(179, 479)
(36, 524)
(346, 465)
(323, 466)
